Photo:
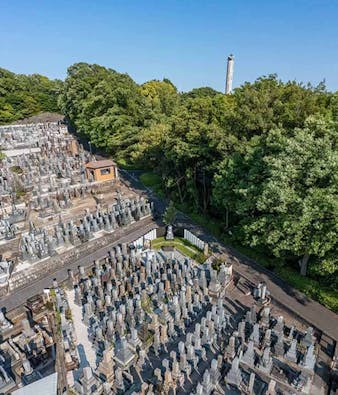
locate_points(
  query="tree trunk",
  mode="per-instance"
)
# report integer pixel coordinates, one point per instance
(196, 197)
(205, 195)
(303, 264)
(180, 192)
(226, 218)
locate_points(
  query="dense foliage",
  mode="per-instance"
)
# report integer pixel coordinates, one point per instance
(283, 191)
(262, 160)
(22, 96)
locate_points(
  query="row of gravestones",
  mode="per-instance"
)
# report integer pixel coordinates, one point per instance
(39, 169)
(14, 136)
(57, 172)
(129, 300)
(38, 244)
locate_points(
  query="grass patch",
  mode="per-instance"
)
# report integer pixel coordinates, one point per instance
(181, 245)
(254, 254)
(310, 287)
(203, 220)
(153, 181)
(125, 165)
(150, 179)
(16, 169)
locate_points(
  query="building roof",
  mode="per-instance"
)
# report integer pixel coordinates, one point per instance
(45, 386)
(100, 163)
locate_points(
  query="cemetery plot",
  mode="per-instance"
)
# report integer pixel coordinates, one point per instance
(160, 324)
(152, 315)
(52, 204)
(181, 245)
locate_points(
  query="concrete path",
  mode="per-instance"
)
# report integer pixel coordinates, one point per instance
(85, 348)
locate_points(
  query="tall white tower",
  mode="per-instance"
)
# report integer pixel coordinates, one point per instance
(230, 74)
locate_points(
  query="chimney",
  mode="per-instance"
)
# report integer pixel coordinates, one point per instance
(230, 74)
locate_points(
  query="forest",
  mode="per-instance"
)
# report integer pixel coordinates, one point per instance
(261, 164)
(24, 95)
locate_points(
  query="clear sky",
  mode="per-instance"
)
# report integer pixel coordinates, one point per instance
(186, 41)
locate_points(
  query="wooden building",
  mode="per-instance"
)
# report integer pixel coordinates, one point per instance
(102, 170)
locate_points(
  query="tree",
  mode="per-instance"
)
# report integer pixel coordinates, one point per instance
(22, 96)
(283, 192)
(192, 147)
(162, 96)
(269, 103)
(170, 213)
(105, 106)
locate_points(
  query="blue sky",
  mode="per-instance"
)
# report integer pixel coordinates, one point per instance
(186, 41)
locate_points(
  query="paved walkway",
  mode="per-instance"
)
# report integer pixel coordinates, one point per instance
(85, 348)
(291, 299)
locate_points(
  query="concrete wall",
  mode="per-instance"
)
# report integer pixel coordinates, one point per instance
(151, 235)
(194, 240)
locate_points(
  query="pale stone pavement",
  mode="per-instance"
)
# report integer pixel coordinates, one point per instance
(85, 349)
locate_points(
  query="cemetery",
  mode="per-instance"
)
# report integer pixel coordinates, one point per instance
(53, 206)
(144, 321)
(153, 314)
(27, 348)
(168, 225)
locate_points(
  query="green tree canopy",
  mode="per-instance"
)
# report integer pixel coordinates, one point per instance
(107, 107)
(162, 96)
(283, 193)
(170, 214)
(24, 95)
(262, 160)
(268, 103)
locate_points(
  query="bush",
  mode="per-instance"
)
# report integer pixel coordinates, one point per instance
(68, 314)
(16, 169)
(216, 264)
(150, 179)
(127, 166)
(49, 305)
(312, 288)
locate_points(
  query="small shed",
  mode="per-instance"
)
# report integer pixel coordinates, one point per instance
(102, 170)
